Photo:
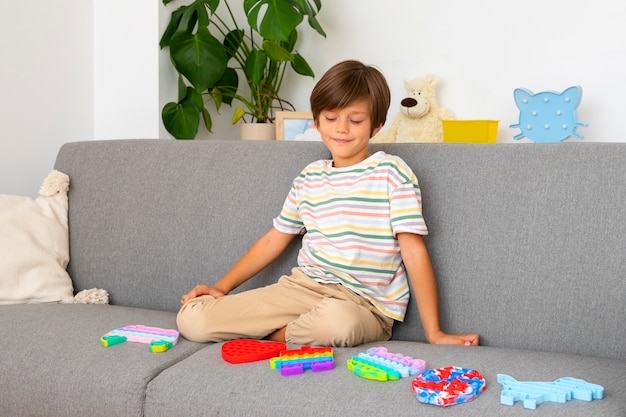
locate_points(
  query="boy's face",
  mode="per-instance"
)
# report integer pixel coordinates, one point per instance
(346, 132)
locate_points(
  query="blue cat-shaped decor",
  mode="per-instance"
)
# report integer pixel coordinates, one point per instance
(548, 116)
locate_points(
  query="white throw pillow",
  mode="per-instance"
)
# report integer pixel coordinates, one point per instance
(34, 245)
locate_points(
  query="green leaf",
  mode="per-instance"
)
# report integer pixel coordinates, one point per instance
(182, 88)
(279, 19)
(195, 97)
(300, 66)
(227, 86)
(238, 114)
(199, 57)
(255, 66)
(172, 26)
(316, 25)
(300, 5)
(311, 12)
(212, 4)
(233, 41)
(291, 42)
(185, 18)
(203, 16)
(276, 52)
(208, 122)
(218, 98)
(306, 7)
(188, 23)
(182, 119)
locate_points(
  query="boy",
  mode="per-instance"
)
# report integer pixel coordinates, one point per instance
(362, 224)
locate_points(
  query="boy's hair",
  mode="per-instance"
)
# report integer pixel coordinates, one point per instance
(349, 81)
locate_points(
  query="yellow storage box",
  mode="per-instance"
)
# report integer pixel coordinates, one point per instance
(470, 131)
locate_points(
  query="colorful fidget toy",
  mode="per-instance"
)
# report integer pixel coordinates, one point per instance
(559, 391)
(250, 350)
(293, 362)
(159, 339)
(380, 365)
(448, 386)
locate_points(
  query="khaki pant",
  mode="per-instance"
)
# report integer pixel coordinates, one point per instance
(315, 314)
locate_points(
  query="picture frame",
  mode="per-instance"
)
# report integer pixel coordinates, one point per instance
(296, 126)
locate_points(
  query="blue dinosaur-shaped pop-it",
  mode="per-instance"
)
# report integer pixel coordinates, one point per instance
(548, 116)
(532, 393)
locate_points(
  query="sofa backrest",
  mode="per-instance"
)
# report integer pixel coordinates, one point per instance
(527, 240)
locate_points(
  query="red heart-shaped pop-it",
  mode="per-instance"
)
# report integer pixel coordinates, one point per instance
(250, 350)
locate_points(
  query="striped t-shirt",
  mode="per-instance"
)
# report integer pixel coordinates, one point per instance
(350, 217)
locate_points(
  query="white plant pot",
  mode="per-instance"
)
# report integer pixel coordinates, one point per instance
(257, 131)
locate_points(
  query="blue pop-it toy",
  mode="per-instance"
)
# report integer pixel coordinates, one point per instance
(532, 393)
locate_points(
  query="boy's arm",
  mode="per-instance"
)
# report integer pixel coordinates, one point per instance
(418, 267)
(261, 253)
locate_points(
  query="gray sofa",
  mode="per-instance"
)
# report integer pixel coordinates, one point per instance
(528, 243)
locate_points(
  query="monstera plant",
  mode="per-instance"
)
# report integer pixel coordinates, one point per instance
(210, 50)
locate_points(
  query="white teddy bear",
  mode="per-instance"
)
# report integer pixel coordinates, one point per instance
(420, 116)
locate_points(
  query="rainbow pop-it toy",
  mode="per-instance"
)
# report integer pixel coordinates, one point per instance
(158, 338)
(380, 365)
(295, 361)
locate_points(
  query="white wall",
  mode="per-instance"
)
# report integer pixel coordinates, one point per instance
(46, 86)
(126, 69)
(480, 52)
(91, 69)
(73, 70)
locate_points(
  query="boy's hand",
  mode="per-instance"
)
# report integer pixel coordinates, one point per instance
(201, 290)
(442, 338)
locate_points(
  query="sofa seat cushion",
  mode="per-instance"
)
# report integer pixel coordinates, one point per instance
(190, 388)
(53, 363)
